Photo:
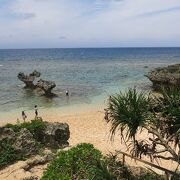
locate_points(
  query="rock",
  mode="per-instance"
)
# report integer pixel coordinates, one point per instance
(46, 86)
(25, 143)
(56, 135)
(29, 79)
(30, 178)
(30, 169)
(166, 76)
(6, 133)
(37, 160)
(53, 135)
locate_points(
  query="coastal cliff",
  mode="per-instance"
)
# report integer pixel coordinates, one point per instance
(166, 76)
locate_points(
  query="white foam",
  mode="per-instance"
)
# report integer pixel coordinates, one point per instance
(1, 65)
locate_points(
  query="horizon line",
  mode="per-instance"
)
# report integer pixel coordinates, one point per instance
(123, 47)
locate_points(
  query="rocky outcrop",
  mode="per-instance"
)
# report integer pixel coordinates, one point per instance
(166, 76)
(56, 135)
(53, 135)
(29, 79)
(31, 169)
(46, 86)
(25, 143)
(46, 156)
(7, 134)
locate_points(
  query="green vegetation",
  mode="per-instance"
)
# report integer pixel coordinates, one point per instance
(134, 111)
(35, 126)
(176, 177)
(8, 154)
(115, 167)
(128, 111)
(80, 162)
(86, 162)
(150, 176)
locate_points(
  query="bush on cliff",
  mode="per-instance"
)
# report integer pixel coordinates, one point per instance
(35, 126)
(86, 162)
(8, 154)
(80, 162)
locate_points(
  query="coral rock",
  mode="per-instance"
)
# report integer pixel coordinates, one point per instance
(166, 76)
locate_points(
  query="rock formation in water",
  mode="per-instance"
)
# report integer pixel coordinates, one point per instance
(166, 76)
(29, 79)
(46, 86)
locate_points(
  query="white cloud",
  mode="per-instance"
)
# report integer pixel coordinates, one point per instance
(43, 23)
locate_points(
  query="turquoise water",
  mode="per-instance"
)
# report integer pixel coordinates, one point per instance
(89, 74)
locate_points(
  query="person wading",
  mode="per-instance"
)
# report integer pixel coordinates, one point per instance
(24, 116)
(36, 111)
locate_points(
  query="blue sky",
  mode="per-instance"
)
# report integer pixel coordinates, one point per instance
(89, 23)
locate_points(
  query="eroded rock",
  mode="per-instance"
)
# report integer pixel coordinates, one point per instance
(166, 76)
(25, 143)
(30, 169)
(6, 133)
(46, 86)
(38, 160)
(56, 135)
(29, 79)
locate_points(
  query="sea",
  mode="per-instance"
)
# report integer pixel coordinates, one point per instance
(89, 74)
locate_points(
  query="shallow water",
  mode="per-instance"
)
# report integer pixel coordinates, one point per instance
(90, 75)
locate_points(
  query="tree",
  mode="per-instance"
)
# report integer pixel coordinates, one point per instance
(133, 111)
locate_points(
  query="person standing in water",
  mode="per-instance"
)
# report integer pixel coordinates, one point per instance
(36, 111)
(67, 93)
(24, 116)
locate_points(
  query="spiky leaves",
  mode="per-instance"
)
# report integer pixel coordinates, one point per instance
(128, 112)
(170, 105)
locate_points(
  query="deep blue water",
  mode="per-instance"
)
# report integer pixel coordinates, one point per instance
(88, 73)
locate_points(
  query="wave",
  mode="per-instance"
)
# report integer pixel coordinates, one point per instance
(1, 65)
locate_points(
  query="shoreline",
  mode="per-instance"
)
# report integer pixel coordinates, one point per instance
(90, 127)
(71, 110)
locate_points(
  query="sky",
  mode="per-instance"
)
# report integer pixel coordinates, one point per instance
(89, 23)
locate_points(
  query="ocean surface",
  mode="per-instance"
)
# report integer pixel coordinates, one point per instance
(90, 74)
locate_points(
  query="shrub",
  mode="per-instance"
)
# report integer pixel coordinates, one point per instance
(150, 176)
(35, 126)
(8, 154)
(175, 177)
(80, 162)
(117, 168)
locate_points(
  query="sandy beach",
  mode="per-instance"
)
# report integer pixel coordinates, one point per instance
(89, 127)
(74, 60)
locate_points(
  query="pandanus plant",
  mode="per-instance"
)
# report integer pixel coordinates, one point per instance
(133, 111)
